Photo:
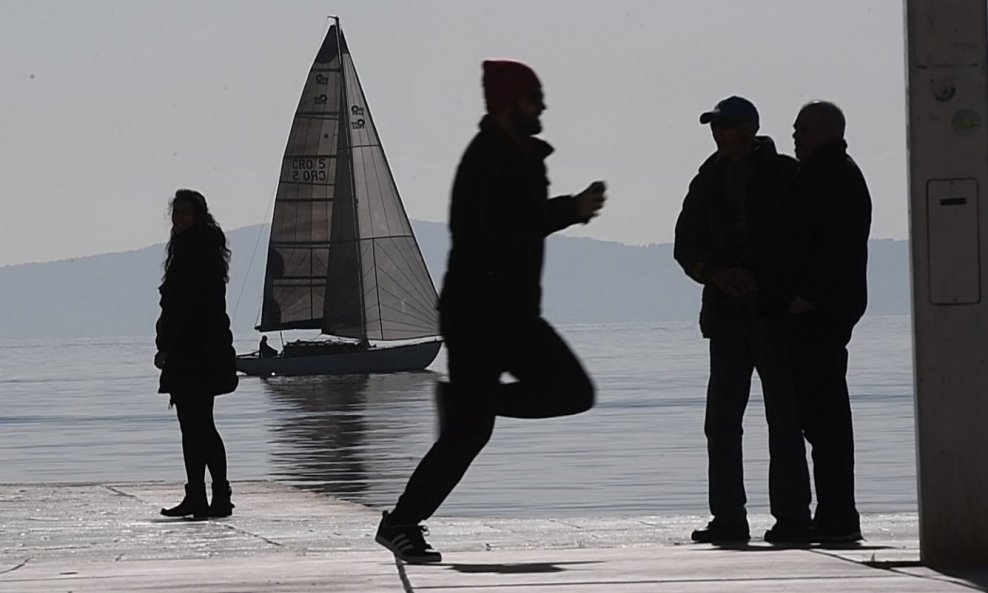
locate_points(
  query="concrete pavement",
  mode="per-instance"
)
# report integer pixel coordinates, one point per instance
(110, 538)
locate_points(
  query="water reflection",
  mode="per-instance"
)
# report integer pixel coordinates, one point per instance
(352, 436)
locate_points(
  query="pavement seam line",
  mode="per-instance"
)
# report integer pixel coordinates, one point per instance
(13, 568)
(119, 492)
(115, 490)
(948, 579)
(406, 583)
(891, 567)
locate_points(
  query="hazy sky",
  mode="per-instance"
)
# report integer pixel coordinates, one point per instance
(107, 106)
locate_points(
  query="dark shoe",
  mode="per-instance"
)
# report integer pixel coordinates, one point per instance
(407, 542)
(193, 505)
(788, 533)
(837, 532)
(444, 396)
(722, 532)
(221, 506)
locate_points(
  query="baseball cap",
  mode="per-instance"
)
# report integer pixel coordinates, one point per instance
(733, 108)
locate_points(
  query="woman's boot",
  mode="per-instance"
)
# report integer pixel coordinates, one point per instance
(221, 505)
(194, 504)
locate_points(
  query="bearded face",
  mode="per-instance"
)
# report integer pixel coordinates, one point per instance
(525, 113)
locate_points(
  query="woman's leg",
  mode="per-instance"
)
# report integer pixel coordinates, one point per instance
(215, 451)
(190, 420)
(215, 459)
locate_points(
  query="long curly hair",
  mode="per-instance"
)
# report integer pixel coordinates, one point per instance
(202, 215)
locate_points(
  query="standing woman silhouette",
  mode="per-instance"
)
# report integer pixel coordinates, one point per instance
(195, 348)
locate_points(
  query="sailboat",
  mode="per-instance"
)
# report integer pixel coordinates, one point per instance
(342, 257)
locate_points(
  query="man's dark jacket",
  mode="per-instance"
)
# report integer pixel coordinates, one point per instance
(499, 217)
(194, 329)
(702, 243)
(824, 247)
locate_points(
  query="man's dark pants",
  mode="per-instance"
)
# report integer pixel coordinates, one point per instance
(742, 344)
(819, 357)
(550, 382)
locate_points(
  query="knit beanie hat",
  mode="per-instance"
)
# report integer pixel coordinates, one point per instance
(505, 82)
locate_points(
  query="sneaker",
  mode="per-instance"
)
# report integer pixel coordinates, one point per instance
(407, 542)
(845, 532)
(788, 533)
(722, 532)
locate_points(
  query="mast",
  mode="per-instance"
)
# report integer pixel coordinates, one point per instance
(345, 112)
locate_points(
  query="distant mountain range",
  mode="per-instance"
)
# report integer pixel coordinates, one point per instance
(585, 281)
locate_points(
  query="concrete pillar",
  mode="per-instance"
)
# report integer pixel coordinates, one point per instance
(948, 166)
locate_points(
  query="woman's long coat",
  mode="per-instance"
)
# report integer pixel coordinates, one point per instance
(194, 329)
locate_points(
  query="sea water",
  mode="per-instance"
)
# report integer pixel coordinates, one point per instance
(86, 410)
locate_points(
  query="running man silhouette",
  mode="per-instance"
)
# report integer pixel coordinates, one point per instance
(490, 306)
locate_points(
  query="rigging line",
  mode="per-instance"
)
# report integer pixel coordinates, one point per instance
(253, 254)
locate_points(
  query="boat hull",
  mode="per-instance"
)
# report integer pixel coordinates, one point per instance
(388, 359)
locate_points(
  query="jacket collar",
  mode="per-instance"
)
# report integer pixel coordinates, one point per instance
(827, 152)
(764, 153)
(532, 147)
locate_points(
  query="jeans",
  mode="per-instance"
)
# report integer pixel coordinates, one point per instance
(745, 344)
(550, 382)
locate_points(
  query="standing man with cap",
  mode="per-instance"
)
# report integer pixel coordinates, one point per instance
(720, 242)
(490, 306)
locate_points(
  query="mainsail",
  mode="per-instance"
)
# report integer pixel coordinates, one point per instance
(342, 257)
